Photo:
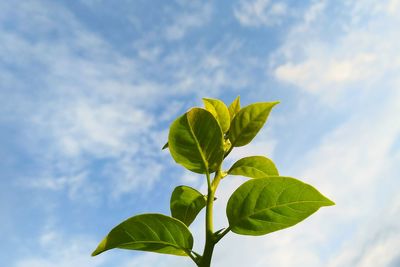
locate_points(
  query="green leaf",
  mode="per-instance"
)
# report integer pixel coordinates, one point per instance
(254, 167)
(149, 232)
(165, 146)
(186, 203)
(196, 141)
(234, 107)
(220, 112)
(261, 206)
(248, 122)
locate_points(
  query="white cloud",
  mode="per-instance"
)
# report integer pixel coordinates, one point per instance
(393, 7)
(336, 72)
(62, 251)
(376, 243)
(195, 15)
(357, 55)
(92, 103)
(130, 174)
(56, 249)
(99, 129)
(210, 72)
(158, 260)
(73, 183)
(261, 12)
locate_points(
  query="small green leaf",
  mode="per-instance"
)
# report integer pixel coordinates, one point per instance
(261, 206)
(186, 203)
(248, 122)
(165, 146)
(196, 141)
(220, 112)
(254, 167)
(149, 232)
(234, 107)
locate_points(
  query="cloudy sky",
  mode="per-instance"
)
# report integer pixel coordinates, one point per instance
(89, 88)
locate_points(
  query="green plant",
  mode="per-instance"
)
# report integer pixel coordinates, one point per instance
(200, 140)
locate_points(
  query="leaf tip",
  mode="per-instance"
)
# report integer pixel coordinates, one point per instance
(330, 202)
(206, 100)
(165, 146)
(100, 248)
(95, 252)
(327, 202)
(276, 103)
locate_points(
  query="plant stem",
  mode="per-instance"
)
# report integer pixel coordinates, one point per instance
(209, 244)
(210, 238)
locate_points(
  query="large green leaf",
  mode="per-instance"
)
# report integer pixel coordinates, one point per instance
(261, 206)
(220, 112)
(186, 203)
(196, 141)
(254, 167)
(248, 122)
(234, 107)
(149, 232)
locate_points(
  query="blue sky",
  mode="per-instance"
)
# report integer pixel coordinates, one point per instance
(89, 88)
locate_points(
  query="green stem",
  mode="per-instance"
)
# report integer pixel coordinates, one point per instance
(209, 245)
(210, 238)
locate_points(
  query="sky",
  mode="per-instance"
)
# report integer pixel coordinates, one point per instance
(89, 88)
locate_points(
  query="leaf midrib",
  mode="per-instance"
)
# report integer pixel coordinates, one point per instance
(250, 167)
(197, 144)
(155, 242)
(280, 205)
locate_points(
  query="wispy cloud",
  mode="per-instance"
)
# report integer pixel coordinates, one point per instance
(88, 99)
(358, 55)
(194, 14)
(63, 251)
(93, 102)
(376, 243)
(261, 12)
